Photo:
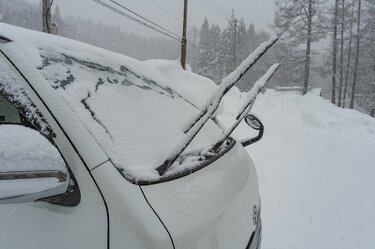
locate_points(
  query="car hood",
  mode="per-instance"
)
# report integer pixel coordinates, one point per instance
(210, 208)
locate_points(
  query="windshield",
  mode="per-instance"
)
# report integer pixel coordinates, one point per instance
(135, 119)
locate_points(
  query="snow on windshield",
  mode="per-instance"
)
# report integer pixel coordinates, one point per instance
(127, 106)
(131, 116)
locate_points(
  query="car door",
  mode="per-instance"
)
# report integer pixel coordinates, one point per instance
(42, 225)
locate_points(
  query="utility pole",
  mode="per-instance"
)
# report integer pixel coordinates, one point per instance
(184, 40)
(46, 12)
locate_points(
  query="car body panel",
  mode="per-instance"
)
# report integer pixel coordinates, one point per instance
(44, 225)
(133, 223)
(88, 149)
(211, 208)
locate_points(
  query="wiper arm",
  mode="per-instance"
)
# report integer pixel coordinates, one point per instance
(246, 107)
(226, 84)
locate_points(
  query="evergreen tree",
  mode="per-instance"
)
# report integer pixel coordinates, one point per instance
(206, 55)
(229, 45)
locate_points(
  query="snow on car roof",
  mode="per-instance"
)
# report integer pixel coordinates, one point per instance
(125, 104)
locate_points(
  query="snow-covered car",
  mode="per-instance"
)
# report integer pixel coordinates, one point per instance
(82, 132)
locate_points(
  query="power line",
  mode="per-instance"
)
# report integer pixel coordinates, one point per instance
(165, 32)
(174, 7)
(165, 10)
(212, 10)
(220, 8)
(138, 15)
(169, 34)
(208, 7)
(216, 8)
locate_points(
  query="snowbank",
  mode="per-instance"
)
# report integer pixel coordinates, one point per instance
(316, 172)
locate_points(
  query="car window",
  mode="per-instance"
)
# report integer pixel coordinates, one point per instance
(8, 113)
(16, 107)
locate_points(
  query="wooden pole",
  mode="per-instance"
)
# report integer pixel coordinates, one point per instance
(183, 40)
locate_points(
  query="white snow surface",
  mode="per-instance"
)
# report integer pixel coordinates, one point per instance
(24, 149)
(197, 89)
(316, 173)
(125, 104)
(315, 162)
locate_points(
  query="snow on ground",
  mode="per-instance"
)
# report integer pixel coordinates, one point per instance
(316, 172)
(315, 165)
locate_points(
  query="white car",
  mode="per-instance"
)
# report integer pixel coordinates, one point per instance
(82, 132)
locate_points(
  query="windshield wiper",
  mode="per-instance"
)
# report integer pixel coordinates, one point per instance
(226, 84)
(246, 107)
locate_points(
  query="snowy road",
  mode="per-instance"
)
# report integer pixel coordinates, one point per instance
(316, 167)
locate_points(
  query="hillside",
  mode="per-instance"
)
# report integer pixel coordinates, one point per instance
(316, 170)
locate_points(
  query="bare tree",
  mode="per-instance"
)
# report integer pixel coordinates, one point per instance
(46, 12)
(341, 51)
(355, 73)
(300, 21)
(309, 15)
(334, 54)
(349, 54)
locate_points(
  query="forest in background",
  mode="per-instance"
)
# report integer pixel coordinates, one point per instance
(324, 44)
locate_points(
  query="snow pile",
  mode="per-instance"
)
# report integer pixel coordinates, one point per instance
(26, 150)
(316, 173)
(197, 89)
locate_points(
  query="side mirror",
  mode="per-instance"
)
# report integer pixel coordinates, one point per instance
(256, 124)
(31, 168)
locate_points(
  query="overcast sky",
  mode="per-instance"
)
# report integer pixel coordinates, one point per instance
(168, 12)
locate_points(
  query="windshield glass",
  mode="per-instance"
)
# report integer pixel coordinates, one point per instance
(135, 119)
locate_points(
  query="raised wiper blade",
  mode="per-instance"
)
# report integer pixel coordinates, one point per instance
(232, 79)
(246, 107)
(226, 84)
